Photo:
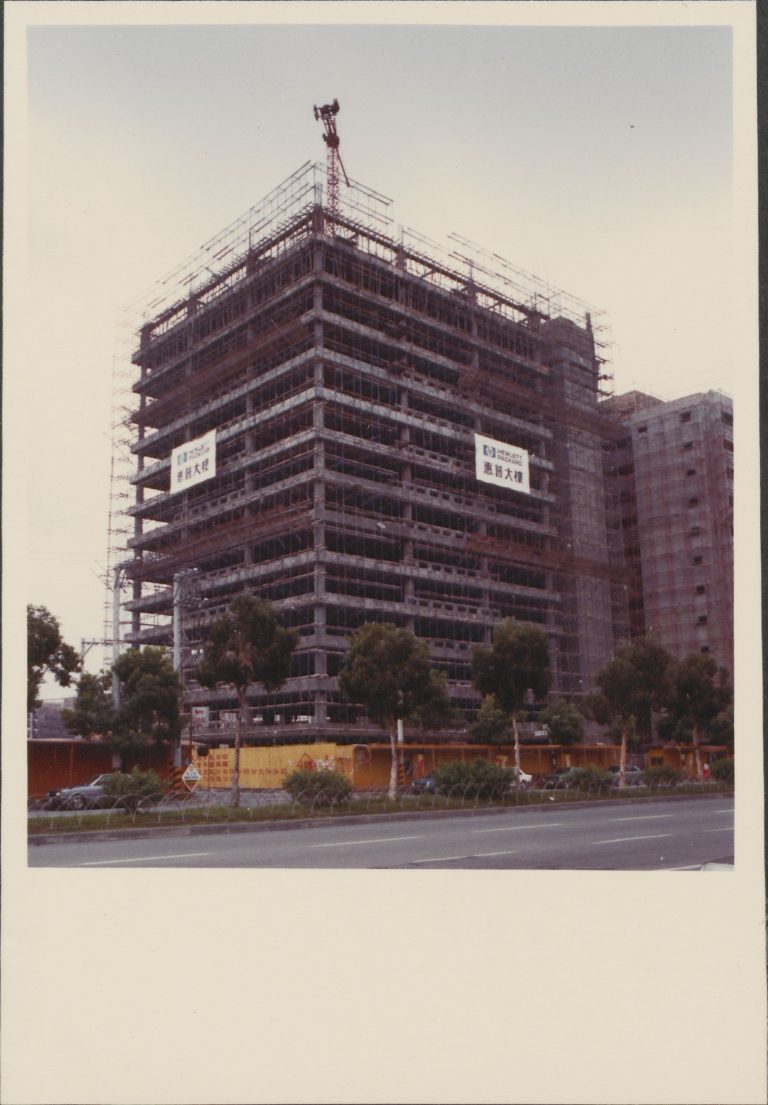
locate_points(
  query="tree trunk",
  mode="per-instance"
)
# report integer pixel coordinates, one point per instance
(393, 767)
(516, 737)
(235, 796)
(697, 753)
(623, 756)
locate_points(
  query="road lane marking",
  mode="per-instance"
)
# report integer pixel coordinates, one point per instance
(642, 817)
(622, 839)
(439, 859)
(479, 855)
(727, 829)
(371, 840)
(517, 828)
(698, 867)
(142, 859)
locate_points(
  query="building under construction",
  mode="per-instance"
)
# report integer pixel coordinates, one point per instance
(675, 470)
(356, 424)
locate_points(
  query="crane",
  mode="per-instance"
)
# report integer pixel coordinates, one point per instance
(327, 114)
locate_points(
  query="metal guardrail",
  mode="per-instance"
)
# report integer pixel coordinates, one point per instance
(169, 808)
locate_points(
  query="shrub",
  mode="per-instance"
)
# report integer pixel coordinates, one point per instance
(477, 779)
(323, 788)
(590, 777)
(662, 775)
(137, 784)
(128, 791)
(722, 770)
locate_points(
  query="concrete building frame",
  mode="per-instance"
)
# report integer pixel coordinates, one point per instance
(346, 370)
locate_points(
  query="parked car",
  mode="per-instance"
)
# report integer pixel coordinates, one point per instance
(557, 780)
(78, 797)
(525, 779)
(633, 776)
(424, 785)
(94, 796)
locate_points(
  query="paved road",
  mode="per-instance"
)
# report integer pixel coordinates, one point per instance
(680, 834)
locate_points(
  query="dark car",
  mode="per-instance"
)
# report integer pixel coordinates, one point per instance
(425, 785)
(558, 779)
(86, 796)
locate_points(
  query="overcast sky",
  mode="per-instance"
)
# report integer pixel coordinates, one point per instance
(598, 158)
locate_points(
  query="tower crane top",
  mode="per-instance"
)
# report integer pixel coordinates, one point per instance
(327, 115)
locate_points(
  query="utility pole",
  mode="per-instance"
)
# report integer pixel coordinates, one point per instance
(116, 582)
(179, 601)
(87, 643)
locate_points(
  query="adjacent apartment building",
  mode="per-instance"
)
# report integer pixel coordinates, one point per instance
(674, 464)
(357, 425)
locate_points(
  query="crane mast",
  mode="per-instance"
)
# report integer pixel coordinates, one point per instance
(327, 115)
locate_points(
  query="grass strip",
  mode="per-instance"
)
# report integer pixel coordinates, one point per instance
(158, 817)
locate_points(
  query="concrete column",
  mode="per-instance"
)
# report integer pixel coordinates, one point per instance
(318, 542)
(320, 711)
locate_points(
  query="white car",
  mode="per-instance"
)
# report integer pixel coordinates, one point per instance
(525, 779)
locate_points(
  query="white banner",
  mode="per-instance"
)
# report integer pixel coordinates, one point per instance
(502, 464)
(193, 462)
(199, 717)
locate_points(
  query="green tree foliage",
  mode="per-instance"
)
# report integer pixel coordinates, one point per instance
(662, 775)
(634, 684)
(671, 728)
(47, 654)
(564, 721)
(491, 725)
(93, 712)
(699, 693)
(720, 730)
(135, 785)
(388, 671)
(516, 665)
(476, 779)
(723, 770)
(590, 777)
(246, 645)
(148, 712)
(318, 788)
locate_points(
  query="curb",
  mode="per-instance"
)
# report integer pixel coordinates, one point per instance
(39, 839)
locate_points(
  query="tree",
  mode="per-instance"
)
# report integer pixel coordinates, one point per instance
(564, 721)
(47, 653)
(246, 645)
(492, 723)
(720, 731)
(633, 684)
(700, 694)
(93, 713)
(516, 665)
(723, 770)
(148, 709)
(388, 671)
